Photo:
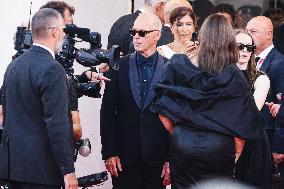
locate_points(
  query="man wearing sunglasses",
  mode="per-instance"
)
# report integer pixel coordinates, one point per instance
(270, 61)
(134, 142)
(119, 33)
(36, 149)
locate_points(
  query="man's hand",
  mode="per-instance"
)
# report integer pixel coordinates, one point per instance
(166, 174)
(278, 158)
(112, 164)
(273, 108)
(103, 67)
(71, 181)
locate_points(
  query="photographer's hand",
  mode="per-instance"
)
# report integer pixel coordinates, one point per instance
(77, 129)
(112, 164)
(95, 77)
(103, 67)
(70, 181)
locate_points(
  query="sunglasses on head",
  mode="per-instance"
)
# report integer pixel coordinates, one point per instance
(250, 48)
(141, 33)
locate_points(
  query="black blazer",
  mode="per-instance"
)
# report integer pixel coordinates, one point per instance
(166, 36)
(127, 128)
(273, 66)
(278, 38)
(36, 144)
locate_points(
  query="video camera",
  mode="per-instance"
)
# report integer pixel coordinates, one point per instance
(22, 41)
(87, 57)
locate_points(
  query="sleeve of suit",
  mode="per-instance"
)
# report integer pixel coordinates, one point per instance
(280, 115)
(108, 115)
(54, 99)
(278, 87)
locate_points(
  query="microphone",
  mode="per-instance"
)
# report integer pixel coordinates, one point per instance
(72, 29)
(85, 148)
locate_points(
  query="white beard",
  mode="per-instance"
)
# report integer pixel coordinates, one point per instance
(59, 46)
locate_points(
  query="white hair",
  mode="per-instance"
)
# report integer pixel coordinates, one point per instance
(153, 2)
(150, 18)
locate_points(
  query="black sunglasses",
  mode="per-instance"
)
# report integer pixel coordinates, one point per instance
(141, 33)
(250, 48)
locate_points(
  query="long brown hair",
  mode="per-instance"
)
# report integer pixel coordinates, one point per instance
(217, 45)
(252, 71)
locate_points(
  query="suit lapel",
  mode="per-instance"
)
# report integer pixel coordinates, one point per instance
(267, 62)
(134, 80)
(156, 78)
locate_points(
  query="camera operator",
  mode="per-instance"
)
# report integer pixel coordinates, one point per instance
(67, 13)
(36, 149)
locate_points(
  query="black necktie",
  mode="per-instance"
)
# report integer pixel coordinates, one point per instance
(256, 59)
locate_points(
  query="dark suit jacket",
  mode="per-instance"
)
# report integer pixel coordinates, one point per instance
(36, 145)
(273, 66)
(127, 128)
(278, 38)
(166, 36)
(119, 33)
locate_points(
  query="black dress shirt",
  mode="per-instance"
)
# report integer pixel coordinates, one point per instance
(145, 70)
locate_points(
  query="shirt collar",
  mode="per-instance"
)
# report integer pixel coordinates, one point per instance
(150, 60)
(167, 25)
(265, 52)
(46, 48)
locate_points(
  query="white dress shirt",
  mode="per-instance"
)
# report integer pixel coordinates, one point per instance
(46, 48)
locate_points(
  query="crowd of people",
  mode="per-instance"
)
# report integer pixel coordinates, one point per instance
(218, 97)
(190, 102)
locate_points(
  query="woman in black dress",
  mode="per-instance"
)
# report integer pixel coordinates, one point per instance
(254, 167)
(206, 107)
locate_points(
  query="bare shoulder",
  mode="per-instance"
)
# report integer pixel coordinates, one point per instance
(160, 51)
(262, 81)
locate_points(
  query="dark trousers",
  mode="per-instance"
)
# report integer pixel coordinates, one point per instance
(139, 176)
(22, 185)
(280, 167)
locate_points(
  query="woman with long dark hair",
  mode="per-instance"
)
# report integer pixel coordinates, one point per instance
(254, 167)
(208, 108)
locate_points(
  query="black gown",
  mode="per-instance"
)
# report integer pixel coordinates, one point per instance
(208, 111)
(254, 166)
